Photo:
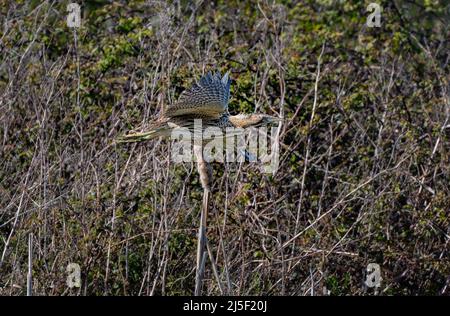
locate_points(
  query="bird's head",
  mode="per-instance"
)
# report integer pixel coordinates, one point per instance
(253, 120)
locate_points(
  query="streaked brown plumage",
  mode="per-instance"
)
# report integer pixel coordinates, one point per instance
(206, 100)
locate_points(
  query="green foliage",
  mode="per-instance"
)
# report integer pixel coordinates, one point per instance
(375, 187)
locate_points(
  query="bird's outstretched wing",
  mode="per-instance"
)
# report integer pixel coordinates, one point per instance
(206, 98)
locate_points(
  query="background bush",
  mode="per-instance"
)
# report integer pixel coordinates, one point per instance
(363, 177)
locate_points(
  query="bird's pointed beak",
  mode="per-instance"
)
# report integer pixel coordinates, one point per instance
(274, 119)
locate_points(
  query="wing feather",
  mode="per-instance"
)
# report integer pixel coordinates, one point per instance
(208, 97)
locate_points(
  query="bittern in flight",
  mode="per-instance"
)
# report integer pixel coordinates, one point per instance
(206, 100)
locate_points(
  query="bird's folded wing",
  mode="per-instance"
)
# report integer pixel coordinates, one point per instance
(207, 98)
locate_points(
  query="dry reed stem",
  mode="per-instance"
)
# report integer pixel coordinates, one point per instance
(201, 243)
